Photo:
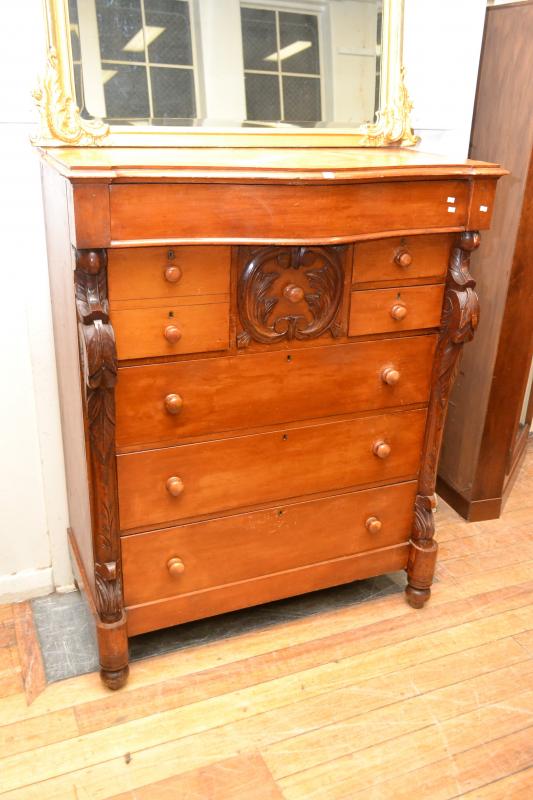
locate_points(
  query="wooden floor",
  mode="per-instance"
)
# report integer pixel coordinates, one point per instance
(373, 701)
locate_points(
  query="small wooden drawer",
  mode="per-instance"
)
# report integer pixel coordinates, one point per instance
(159, 486)
(192, 326)
(219, 551)
(164, 272)
(393, 310)
(159, 404)
(402, 259)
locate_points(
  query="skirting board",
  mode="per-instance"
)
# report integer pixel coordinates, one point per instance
(26, 584)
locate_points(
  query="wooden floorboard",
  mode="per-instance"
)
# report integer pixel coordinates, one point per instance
(373, 701)
(29, 651)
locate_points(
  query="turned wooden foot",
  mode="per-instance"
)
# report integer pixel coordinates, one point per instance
(113, 649)
(420, 571)
(115, 679)
(416, 598)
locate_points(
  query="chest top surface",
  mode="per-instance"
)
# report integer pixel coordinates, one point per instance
(327, 164)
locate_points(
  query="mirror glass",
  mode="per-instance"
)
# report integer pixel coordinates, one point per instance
(226, 63)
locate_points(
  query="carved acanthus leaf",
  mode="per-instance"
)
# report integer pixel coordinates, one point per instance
(424, 524)
(99, 369)
(260, 292)
(108, 591)
(459, 321)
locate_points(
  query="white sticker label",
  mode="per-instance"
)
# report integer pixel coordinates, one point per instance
(450, 199)
(484, 209)
(451, 209)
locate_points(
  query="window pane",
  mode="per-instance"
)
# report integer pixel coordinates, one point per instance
(173, 44)
(126, 92)
(259, 39)
(120, 30)
(173, 92)
(262, 97)
(301, 99)
(78, 88)
(299, 43)
(74, 29)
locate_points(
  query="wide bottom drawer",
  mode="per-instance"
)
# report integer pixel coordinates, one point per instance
(180, 483)
(200, 555)
(242, 594)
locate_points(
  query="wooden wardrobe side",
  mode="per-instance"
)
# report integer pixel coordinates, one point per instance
(60, 268)
(480, 455)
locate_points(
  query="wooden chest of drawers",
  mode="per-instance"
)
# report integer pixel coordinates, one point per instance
(266, 354)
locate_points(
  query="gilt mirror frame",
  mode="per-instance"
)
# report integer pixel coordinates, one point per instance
(62, 125)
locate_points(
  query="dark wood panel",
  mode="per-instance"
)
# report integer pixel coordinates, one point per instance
(229, 473)
(485, 402)
(513, 361)
(210, 395)
(282, 213)
(244, 546)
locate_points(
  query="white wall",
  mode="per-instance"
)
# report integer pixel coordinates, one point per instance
(441, 53)
(442, 45)
(33, 515)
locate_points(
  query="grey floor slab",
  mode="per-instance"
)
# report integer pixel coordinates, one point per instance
(66, 630)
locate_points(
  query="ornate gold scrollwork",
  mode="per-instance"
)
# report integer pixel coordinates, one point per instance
(393, 125)
(60, 116)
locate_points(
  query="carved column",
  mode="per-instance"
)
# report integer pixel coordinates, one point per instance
(99, 368)
(459, 321)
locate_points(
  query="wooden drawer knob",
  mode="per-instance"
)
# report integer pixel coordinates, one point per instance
(173, 403)
(293, 293)
(175, 486)
(403, 258)
(172, 273)
(176, 567)
(172, 334)
(381, 449)
(373, 525)
(390, 376)
(398, 311)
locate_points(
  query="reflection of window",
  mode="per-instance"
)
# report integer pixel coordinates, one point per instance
(146, 55)
(281, 65)
(76, 54)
